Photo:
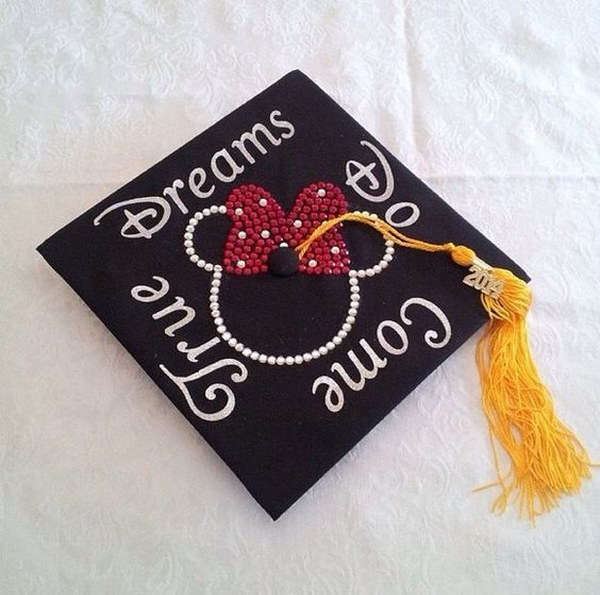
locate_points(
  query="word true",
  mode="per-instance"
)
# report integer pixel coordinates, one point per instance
(178, 307)
(225, 166)
(392, 338)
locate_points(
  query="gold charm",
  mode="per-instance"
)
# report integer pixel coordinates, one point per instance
(480, 277)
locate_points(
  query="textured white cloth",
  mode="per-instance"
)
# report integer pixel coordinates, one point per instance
(105, 488)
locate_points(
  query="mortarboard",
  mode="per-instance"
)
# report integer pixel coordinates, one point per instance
(287, 282)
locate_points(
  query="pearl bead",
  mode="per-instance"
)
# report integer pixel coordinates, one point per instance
(188, 236)
(280, 360)
(350, 319)
(226, 336)
(387, 257)
(188, 243)
(335, 250)
(323, 350)
(222, 209)
(202, 263)
(265, 234)
(336, 340)
(321, 192)
(352, 312)
(342, 334)
(263, 202)
(206, 212)
(297, 223)
(355, 289)
(239, 211)
(254, 355)
(208, 266)
(307, 357)
(353, 281)
(315, 354)
(214, 290)
(289, 360)
(247, 351)
(215, 314)
(241, 264)
(194, 258)
(242, 235)
(190, 251)
(330, 345)
(389, 243)
(232, 342)
(377, 269)
(262, 358)
(346, 327)
(298, 359)
(361, 273)
(271, 359)
(383, 264)
(221, 328)
(214, 209)
(353, 273)
(213, 298)
(239, 347)
(219, 320)
(370, 272)
(189, 228)
(312, 263)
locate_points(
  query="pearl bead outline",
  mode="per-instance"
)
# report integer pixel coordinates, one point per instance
(215, 309)
(280, 360)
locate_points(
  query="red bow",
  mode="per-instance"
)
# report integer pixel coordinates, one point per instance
(260, 226)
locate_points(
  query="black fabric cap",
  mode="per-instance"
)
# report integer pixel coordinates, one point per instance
(281, 375)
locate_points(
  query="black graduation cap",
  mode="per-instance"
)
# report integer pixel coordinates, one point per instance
(261, 276)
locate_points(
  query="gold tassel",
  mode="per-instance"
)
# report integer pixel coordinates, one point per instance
(546, 460)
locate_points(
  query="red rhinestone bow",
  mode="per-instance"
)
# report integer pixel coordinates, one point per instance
(260, 226)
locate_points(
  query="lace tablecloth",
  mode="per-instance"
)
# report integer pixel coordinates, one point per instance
(104, 486)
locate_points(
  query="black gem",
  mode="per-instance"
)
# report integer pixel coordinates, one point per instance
(283, 262)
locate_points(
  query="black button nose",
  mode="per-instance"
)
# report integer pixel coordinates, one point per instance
(283, 262)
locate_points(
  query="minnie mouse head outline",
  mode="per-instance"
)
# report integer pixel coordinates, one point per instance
(261, 233)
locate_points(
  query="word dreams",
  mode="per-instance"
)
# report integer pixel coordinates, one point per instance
(225, 166)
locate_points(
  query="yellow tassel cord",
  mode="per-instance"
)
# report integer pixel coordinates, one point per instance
(546, 460)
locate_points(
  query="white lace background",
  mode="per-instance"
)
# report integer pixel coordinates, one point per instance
(104, 487)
